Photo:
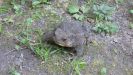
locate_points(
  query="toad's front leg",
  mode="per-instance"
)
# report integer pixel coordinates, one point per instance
(79, 50)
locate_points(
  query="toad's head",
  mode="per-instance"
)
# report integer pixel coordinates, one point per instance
(62, 38)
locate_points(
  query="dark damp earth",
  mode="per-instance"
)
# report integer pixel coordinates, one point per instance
(22, 27)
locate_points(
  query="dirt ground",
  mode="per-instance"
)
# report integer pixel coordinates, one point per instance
(114, 52)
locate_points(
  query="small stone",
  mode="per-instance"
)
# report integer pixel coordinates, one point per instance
(115, 40)
(90, 20)
(42, 62)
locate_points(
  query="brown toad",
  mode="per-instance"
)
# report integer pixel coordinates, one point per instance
(69, 34)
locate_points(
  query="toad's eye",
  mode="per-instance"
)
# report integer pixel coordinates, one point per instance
(63, 39)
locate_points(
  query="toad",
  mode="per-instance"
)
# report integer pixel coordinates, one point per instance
(69, 34)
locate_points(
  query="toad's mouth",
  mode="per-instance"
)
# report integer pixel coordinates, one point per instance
(68, 44)
(61, 44)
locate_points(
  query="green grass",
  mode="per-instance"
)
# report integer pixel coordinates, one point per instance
(78, 65)
(37, 3)
(91, 8)
(119, 1)
(105, 27)
(130, 26)
(103, 71)
(3, 9)
(49, 53)
(103, 11)
(42, 52)
(78, 12)
(13, 71)
(1, 28)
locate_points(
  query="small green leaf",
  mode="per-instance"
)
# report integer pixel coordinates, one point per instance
(131, 11)
(119, 1)
(34, 3)
(73, 9)
(103, 71)
(130, 26)
(17, 8)
(29, 21)
(24, 41)
(84, 9)
(81, 17)
(82, 64)
(106, 27)
(113, 29)
(76, 16)
(17, 47)
(45, 1)
(102, 11)
(14, 72)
